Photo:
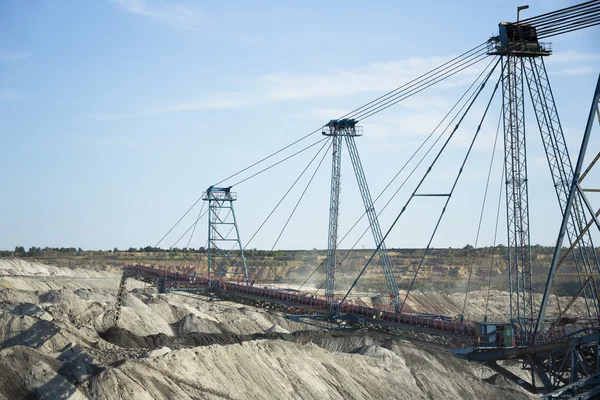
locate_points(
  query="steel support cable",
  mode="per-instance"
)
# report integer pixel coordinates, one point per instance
(391, 92)
(363, 107)
(421, 80)
(177, 223)
(417, 151)
(170, 230)
(563, 19)
(423, 157)
(500, 192)
(283, 197)
(192, 234)
(269, 156)
(451, 192)
(469, 98)
(279, 162)
(485, 193)
(482, 86)
(553, 14)
(311, 274)
(163, 255)
(484, 56)
(568, 24)
(577, 28)
(194, 230)
(394, 178)
(241, 171)
(403, 96)
(296, 206)
(553, 139)
(571, 30)
(306, 136)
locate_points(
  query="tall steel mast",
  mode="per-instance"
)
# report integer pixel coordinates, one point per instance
(522, 55)
(222, 232)
(347, 129)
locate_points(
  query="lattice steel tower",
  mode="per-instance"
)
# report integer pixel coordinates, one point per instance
(523, 67)
(346, 130)
(225, 250)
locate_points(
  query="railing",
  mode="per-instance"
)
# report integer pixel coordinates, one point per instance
(524, 47)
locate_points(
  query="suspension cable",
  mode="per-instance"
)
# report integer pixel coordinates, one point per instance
(415, 154)
(435, 71)
(163, 255)
(191, 236)
(573, 29)
(280, 161)
(421, 182)
(295, 207)
(384, 97)
(282, 198)
(553, 14)
(487, 300)
(487, 185)
(451, 192)
(480, 57)
(267, 157)
(470, 97)
(402, 87)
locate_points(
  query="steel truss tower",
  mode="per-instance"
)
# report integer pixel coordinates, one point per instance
(346, 130)
(522, 56)
(224, 243)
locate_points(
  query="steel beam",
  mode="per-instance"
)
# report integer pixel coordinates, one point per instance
(568, 209)
(334, 204)
(384, 258)
(517, 198)
(221, 256)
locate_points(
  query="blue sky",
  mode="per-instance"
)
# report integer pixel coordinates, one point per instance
(115, 115)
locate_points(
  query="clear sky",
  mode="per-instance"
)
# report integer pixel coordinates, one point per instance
(115, 115)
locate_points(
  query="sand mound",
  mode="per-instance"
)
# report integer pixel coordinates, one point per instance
(159, 352)
(194, 324)
(188, 347)
(276, 329)
(375, 351)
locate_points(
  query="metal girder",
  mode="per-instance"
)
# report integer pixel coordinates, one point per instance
(222, 231)
(512, 377)
(384, 258)
(569, 209)
(585, 389)
(517, 198)
(334, 204)
(561, 170)
(341, 130)
(539, 369)
(557, 364)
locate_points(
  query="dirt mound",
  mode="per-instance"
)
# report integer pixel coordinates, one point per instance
(125, 339)
(11, 385)
(219, 349)
(28, 309)
(21, 330)
(277, 329)
(375, 351)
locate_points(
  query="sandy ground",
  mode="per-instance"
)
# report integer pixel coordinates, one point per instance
(56, 343)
